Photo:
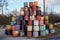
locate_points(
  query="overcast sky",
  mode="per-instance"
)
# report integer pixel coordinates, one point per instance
(13, 4)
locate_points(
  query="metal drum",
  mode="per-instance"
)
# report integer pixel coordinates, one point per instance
(43, 33)
(15, 33)
(12, 23)
(13, 18)
(21, 17)
(36, 22)
(30, 22)
(8, 27)
(46, 18)
(50, 26)
(35, 34)
(30, 4)
(38, 12)
(18, 22)
(47, 31)
(29, 33)
(22, 13)
(16, 27)
(38, 18)
(42, 18)
(36, 3)
(41, 22)
(46, 22)
(36, 28)
(34, 13)
(52, 30)
(32, 17)
(25, 8)
(34, 8)
(26, 18)
(22, 33)
(43, 27)
(29, 28)
(25, 4)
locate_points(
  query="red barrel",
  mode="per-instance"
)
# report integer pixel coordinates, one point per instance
(41, 22)
(29, 34)
(38, 17)
(30, 4)
(26, 18)
(30, 22)
(34, 7)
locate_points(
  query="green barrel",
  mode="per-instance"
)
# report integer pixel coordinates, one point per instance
(43, 33)
(52, 30)
(41, 28)
(47, 31)
(25, 4)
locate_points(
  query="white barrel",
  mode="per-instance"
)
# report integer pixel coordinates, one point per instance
(32, 17)
(36, 22)
(22, 13)
(36, 28)
(29, 28)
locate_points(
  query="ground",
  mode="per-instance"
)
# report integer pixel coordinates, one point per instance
(5, 37)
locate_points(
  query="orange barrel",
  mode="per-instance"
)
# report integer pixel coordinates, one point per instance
(15, 33)
(29, 33)
(39, 8)
(34, 13)
(8, 27)
(36, 28)
(32, 17)
(22, 13)
(30, 22)
(46, 18)
(25, 8)
(36, 22)
(38, 18)
(30, 4)
(50, 26)
(34, 7)
(36, 3)
(42, 18)
(41, 22)
(46, 22)
(26, 18)
(26, 13)
(35, 34)
(13, 18)
(29, 28)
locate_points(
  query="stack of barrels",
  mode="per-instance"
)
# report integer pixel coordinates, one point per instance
(31, 22)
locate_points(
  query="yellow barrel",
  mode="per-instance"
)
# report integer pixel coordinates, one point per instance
(22, 13)
(36, 28)
(46, 18)
(29, 28)
(32, 17)
(36, 3)
(46, 22)
(13, 18)
(50, 26)
(39, 8)
(8, 27)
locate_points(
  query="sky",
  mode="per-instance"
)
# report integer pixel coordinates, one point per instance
(17, 4)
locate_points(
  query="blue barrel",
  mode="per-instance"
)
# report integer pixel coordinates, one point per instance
(42, 27)
(16, 27)
(52, 30)
(12, 23)
(25, 4)
(47, 31)
(43, 33)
